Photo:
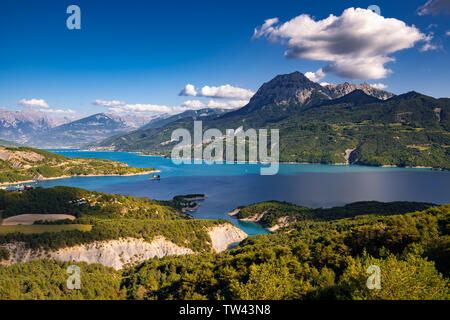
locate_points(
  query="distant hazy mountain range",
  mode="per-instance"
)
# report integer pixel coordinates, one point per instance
(19, 126)
(35, 128)
(87, 130)
(345, 123)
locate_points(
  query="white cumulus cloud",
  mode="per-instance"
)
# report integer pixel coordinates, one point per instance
(43, 106)
(154, 109)
(226, 91)
(380, 86)
(429, 47)
(140, 108)
(103, 103)
(59, 112)
(118, 106)
(434, 7)
(34, 103)
(356, 45)
(266, 29)
(222, 92)
(188, 90)
(232, 104)
(193, 104)
(315, 76)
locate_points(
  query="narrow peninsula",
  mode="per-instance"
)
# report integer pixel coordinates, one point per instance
(26, 165)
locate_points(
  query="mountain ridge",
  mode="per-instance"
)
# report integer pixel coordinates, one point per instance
(35, 128)
(18, 126)
(406, 130)
(200, 113)
(87, 130)
(296, 88)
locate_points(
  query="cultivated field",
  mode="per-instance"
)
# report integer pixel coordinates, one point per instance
(29, 219)
(27, 229)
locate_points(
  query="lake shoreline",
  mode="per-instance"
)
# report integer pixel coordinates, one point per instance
(280, 162)
(80, 176)
(240, 185)
(255, 220)
(293, 162)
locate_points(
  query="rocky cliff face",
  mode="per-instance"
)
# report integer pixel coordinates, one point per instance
(225, 235)
(113, 253)
(293, 88)
(296, 89)
(18, 126)
(119, 253)
(340, 90)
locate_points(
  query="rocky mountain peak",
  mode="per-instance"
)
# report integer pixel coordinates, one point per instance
(357, 96)
(339, 90)
(296, 89)
(293, 88)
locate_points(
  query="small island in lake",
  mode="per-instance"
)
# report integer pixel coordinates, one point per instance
(188, 202)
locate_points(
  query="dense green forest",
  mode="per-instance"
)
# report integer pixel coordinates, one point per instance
(24, 163)
(46, 280)
(83, 203)
(111, 217)
(269, 213)
(314, 260)
(323, 255)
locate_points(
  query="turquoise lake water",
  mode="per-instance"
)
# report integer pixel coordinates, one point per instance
(228, 186)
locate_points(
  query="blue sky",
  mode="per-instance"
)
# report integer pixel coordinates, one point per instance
(145, 52)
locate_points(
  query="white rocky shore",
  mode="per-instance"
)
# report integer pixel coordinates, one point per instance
(118, 253)
(224, 235)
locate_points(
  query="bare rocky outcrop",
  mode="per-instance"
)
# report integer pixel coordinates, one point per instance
(118, 253)
(296, 88)
(17, 159)
(347, 155)
(225, 235)
(282, 223)
(113, 253)
(340, 90)
(437, 113)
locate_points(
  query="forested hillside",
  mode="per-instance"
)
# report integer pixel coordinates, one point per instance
(313, 260)
(406, 130)
(324, 255)
(24, 164)
(109, 216)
